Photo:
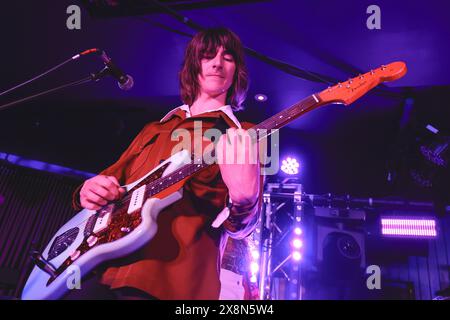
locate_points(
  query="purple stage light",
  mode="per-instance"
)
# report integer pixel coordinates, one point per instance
(260, 97)
(297, 256)
(412, 227)
(43, 166)
(290, 165)
(298, 231)
(254, 267)
(255, 254)
(297, 243)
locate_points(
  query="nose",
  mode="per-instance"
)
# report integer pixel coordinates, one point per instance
(217, 62)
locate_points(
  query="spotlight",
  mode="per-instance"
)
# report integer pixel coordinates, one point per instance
(297, 256)
(298, 231)
(255, 255)
(260, 97)
(290, 165)
(297, 243)
(254, 267)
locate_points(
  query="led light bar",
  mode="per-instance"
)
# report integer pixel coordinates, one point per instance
(408, 227)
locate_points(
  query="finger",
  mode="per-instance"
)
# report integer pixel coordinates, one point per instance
(114, 180)
(108, 194)
(220, 149)
(110, 184)
(93, 197)
(241, 134)
(231, 133)
(104, 181)
(120, 189)
(253, 153)
(85, 203)
(89, 205)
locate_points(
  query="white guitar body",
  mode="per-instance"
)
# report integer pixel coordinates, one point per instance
(37, 286)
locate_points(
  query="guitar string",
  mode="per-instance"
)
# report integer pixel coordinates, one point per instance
(271, 121)
(266, 124)
(126, 198)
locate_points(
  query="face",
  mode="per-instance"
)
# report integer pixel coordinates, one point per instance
(217, 73)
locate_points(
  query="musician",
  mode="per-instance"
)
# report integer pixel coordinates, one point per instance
(183, 259)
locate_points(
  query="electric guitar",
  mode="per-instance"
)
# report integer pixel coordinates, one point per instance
(122, 227)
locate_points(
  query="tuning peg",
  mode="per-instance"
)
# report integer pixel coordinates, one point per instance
(372, 72)
(339, 85)
(383, 67)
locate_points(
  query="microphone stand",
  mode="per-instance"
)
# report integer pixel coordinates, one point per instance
(92, 77)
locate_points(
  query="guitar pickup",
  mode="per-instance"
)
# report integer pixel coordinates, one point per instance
(137, 200)
(102, 222)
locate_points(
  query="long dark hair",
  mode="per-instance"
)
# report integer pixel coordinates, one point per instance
(207, 42)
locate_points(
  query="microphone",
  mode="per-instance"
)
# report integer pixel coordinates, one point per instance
(124, 81)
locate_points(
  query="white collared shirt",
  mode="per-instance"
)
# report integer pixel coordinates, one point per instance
(225, 109)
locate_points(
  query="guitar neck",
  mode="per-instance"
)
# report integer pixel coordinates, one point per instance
(286, 116)
(344, 93)
(263, 129)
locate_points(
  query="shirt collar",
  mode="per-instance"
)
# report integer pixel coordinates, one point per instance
(225, 109)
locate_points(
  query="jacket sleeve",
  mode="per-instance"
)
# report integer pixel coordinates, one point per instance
(243, 221)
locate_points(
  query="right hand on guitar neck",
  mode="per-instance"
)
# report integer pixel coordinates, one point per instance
(99, 190)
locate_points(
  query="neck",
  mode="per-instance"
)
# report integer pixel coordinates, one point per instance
(206, 102)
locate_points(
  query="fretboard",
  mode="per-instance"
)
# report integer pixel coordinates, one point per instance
(263, 129)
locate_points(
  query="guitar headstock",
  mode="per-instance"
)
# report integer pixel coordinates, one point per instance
(349, 91)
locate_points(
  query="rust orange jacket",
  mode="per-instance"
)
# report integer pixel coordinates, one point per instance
(183, 260)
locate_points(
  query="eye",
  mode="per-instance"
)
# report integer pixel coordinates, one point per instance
(207, 55)
(228, 57)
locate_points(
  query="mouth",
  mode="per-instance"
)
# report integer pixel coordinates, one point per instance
(216, 75)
